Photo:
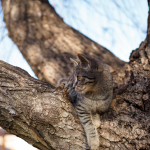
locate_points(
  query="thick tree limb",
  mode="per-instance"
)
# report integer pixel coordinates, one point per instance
(31, 111)
(46, 42)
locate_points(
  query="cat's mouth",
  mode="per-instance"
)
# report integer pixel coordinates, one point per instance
(80, 90)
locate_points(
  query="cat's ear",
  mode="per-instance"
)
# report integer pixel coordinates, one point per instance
(85, 63)
(75, 62)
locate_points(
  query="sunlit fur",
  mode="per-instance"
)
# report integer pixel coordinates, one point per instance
(91, 92)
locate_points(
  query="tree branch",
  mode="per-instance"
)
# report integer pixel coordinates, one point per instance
(31, 111)
(46, 42)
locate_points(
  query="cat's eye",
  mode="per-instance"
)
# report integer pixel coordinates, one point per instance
(79, 78)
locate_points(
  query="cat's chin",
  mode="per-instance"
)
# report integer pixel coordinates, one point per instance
(82, 91)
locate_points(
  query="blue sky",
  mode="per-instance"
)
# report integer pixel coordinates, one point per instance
(118, 25)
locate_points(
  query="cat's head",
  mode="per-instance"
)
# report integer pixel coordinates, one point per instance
(86, 73)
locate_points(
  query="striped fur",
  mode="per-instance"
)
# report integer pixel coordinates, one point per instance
(90, 90)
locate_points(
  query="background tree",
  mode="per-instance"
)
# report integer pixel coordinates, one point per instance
(29, 110)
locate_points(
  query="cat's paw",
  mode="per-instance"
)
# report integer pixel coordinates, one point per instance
(94, 143)
(58, 88)
(67, 90)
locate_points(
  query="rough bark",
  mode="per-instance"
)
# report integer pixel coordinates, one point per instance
(31, 111)
(46, 42)
(46, 120)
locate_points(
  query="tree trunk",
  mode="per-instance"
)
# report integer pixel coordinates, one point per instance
(47, 120)
(46, 42)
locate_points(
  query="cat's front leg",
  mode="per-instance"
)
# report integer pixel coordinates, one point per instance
(63, 85)
(89, 128)
(92, 137)
(70, 92)
(60, 85)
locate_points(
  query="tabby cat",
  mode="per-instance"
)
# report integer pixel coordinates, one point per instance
(90, 90)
